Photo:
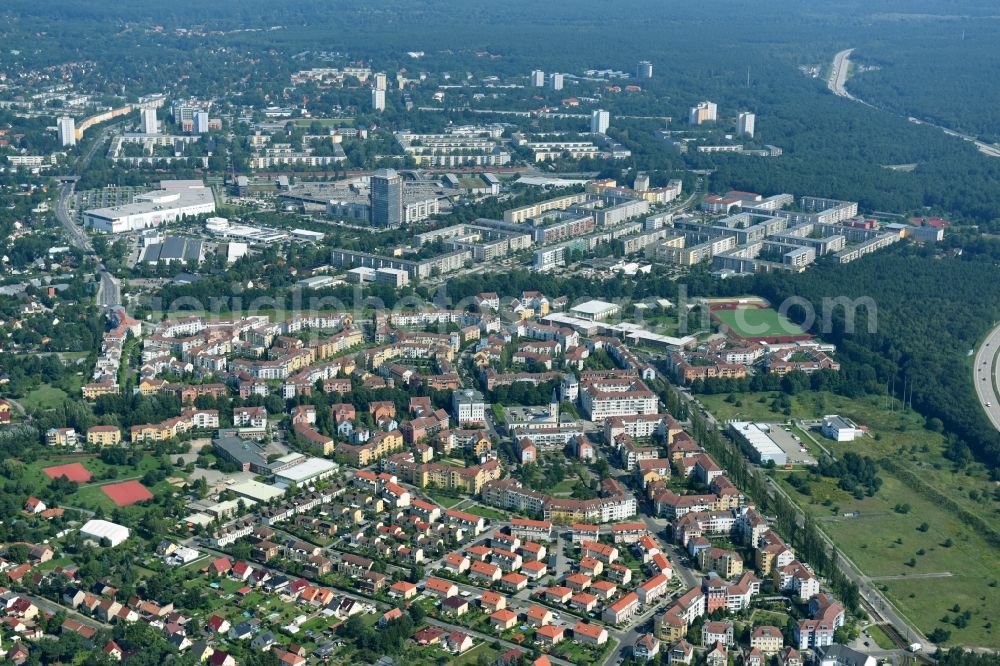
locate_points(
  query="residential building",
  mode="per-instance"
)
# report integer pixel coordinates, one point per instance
(104, 435)
(386, 198)
(599, 121)
(67, 131)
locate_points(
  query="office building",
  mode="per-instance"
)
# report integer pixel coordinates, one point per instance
(67, 131)
(149, 124)
(745, 123)
(378, 99)
(538, 78)
(201, 122)
(556, 81)
(644, 70)
(387, 198)
(703, 113)
(599, 121)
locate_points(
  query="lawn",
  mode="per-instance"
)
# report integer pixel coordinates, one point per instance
(474, 655)
(486, 512)
(445, 500)
(584, 654)
(564, 487)
(44, 397)
(757, 322)
(880, 637)
(767, 617)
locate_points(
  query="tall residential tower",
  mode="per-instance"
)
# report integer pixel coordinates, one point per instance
(599, 121)
(67, 131)
(387, 198)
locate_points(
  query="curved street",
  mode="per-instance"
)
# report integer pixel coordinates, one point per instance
(984, 376)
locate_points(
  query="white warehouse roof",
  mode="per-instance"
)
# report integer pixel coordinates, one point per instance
(311, 469)
(256, 490)
(102, 529)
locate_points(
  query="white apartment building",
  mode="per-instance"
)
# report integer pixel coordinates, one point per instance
(604, 398)
(469, 406)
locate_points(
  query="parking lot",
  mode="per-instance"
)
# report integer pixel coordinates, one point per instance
(107, 197)
(790, 444)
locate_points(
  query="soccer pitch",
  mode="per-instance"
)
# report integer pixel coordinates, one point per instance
(750, 322)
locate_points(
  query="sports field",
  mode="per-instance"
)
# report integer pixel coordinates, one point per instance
(72, 471)
(126, 492)
(751, 322)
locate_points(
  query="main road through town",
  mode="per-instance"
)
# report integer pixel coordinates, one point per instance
(108, 290)
(984, 376)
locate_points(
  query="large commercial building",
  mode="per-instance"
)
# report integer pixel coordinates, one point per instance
(758, 437)
(67, 131)
(387, 198)
(745, 123)
(702, 113)
(201, 122)
(99, 530)
(174, 200)
(600, 120)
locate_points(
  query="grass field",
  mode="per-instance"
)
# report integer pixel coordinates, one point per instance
(90, 495)
(486, 512)
(871, 539)
(444, 500)
(43, 397)
(757, 322)
(880, 637)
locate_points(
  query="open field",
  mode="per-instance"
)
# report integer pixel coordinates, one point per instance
(90, 495)
(444, 500)
(44, 397)
(886, 543)
(870, 540)
(757, 322)
(486, 512)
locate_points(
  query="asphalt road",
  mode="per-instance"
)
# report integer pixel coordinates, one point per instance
(838, 79)
(108, 290)
(985, 378)
(838, 74)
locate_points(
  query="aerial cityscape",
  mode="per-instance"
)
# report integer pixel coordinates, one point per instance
(500, 334)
